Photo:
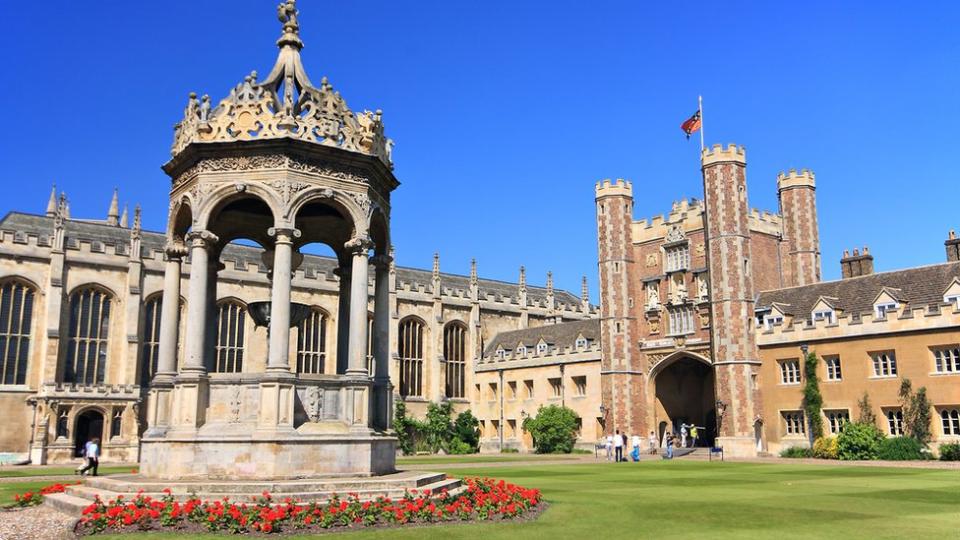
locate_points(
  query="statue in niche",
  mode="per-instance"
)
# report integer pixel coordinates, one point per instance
(653, 295)
(701, 287)
(679, 288)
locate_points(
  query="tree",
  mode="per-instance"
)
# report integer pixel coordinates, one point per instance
(554, 429)
(915, 408)
(866, 415)
(404, 428)
(812, 400)
(439, 426)
(466, 431)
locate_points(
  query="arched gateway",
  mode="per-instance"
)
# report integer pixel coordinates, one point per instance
(684, 394)
(282, 163)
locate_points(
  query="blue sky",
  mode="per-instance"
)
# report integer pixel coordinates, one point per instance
(506, 113)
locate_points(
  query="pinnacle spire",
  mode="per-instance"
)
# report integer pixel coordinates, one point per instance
(473, 271)
(52, 203)
(523, 279)
(549, 282)
(584, 292)
(124, 217)
(287, 14)
(136, 218)
(436, 265)
(113, 214)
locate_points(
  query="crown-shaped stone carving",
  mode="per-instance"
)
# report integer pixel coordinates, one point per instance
(285, 104)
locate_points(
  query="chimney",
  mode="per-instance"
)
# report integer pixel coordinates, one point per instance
(953, 247)
(858, 264)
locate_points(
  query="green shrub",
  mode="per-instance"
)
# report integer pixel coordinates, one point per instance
(466, 429)
(459, 447)
(509, 451)
(825, 448)
(812, 400)
(406, 429)
(554, 429)
(796, 452)
(950, 452)
(439, 426)
(901, 449)
(859, 441)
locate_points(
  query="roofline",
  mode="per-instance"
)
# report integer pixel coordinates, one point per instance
(946, 263)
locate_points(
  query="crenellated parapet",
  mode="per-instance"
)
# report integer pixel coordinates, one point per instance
(794, 178)
(718, 154)
(614, 188)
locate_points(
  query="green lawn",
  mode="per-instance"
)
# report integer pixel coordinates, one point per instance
(691, 499)
(9, 489)
(59, 471)
(498, 458)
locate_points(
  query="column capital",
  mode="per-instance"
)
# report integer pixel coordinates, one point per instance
(359, 245)
(175, 250)
(202, 239)
(381, 262)
(284, 235)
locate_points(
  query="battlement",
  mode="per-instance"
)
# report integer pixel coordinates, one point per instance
(765, 221)
(719, 154)
(792, 179)
(689, 215)
(917, 318)
(619, 187)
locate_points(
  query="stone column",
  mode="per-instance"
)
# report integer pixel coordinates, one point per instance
(158, 407)
(170, 315)
(279, 353)
(190, 394)
(201, 243)
(381, 344)
(359, 296)
(343, 320)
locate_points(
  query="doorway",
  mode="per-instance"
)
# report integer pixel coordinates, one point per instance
(89, 425)
(685, 395)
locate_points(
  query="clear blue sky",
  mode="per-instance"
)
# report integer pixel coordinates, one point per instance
(506, 113)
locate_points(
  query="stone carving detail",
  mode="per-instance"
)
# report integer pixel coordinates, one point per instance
(313, 403)
(654, 326)
(700, 248)
(285, 105)
(652, 260)
(675, 234)
(236, 402)
(653, 295)
(702, 293)
(363, 202)
(272, 161)
(704, 319)
(678, 289)
(287, 189)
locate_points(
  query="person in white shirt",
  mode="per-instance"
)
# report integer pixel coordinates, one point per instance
(609, 446)
(683, 435)
(652, 442)
(93, 456)
(618, 447)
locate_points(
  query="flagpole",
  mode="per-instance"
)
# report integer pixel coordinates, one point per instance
(700, 108)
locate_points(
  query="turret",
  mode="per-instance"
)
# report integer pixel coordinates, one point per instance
(734, 349)
(801, 236)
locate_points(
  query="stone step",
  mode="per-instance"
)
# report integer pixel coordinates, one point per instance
(130, 484)
(66, 503)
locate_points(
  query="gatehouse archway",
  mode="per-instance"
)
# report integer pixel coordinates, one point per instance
(684, 394)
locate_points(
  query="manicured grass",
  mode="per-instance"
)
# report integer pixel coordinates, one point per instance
(59, 471)
(497, 458)
(691, 499)
(9, 489)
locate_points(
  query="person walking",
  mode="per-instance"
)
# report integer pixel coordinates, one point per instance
(609, 446)
(618, 446)
(635, 453)
(683, 435)
(693, 436)
(669, 445)
(652, 442)
(84, 454)
(93, 457)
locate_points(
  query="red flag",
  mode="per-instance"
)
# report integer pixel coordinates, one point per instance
(691, 125)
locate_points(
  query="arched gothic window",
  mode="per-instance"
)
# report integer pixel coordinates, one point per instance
(455, 352)
(230, 337)
(411, 358)
(88, 342)
(312, 343)
(16, 316)
(150, 345)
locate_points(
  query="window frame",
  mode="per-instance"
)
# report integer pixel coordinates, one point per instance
(17, 365)
(410, 350)
(234, 346)
(789, 371)
(313, 351)
(884, 364)
(946, 364)
(77, 343)
(834, 367)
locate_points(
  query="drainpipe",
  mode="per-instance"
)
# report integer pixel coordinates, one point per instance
(501, 409)
(563, 389)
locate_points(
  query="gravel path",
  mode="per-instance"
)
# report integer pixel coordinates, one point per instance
(35, 522)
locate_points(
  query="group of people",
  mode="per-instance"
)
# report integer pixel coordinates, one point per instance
(616, 443)
(91, 457)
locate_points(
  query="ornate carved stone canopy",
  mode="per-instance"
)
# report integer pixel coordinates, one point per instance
(285, 105)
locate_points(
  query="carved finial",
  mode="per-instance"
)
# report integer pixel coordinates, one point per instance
(846, 253)
(866, 250)
(436, 265)
(287, 14)
(584, 290)
(124, 217)
(856, 252)
(52, 202)
(66, 205)
(549, 282)
(953, 234)
(523, 279)
(473, 272)
(136, 218)
(113, 214)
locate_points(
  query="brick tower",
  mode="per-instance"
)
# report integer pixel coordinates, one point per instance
(621, 376)
(735, 353)
(798, 205)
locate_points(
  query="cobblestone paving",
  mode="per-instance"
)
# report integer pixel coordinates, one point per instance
(35, 522)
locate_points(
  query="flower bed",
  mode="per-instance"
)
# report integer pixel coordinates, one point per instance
(33, 498)
(484, 499)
